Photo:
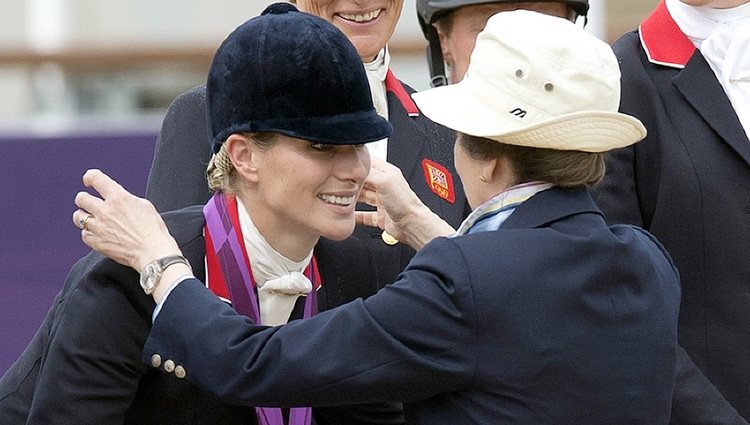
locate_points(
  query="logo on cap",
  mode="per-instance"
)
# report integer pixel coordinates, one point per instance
(518, 112)
(439, 180)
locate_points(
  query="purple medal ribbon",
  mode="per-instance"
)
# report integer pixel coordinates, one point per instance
(241, 287)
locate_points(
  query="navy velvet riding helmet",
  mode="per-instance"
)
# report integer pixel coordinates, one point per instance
(292, 73)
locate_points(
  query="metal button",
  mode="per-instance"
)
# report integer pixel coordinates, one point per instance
(169, 366)
(549, 87)
(179, 372)
(519, 73)
(156, 360)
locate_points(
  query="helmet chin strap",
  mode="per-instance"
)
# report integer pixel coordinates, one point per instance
(436, 65)
(434, 56)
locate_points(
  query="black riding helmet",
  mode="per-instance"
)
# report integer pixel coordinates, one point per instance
(429, 11)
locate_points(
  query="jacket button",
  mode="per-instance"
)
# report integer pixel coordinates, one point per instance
(169, 366)
(179, 372)
(156, 360)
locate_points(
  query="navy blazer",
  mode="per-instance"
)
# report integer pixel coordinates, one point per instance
(688, 183)
(84, 364)
(178, 173)
(555, 318)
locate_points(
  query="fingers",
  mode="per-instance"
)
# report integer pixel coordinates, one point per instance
(381, 165)
(82, 219)
(102, 183)
(369, 197)
(366, 218)
(88, 202)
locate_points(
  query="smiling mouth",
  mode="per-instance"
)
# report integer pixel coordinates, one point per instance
(337, 200)
(361, 18)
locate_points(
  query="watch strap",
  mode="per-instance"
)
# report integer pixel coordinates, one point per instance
(156, 268)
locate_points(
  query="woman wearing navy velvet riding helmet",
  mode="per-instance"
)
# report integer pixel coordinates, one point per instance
(288, 167)
(533, 312)
(421, 149)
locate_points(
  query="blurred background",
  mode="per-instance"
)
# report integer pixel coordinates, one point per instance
(85, 83)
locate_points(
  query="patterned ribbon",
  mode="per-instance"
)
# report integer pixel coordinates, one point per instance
(241, 287)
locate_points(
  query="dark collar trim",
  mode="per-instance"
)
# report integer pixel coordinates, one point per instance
(393, 85)
(663, 41)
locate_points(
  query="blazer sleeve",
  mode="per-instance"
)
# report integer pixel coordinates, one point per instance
(177, 177)
(409, 341)
(621, 194)
(90, 367)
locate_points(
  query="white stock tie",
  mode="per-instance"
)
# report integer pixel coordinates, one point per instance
(279, 280)
(278, 296)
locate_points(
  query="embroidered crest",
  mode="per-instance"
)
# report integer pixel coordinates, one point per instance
(439, 180)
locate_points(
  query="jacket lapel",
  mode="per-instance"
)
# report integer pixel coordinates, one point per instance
(187, 227)
(408, 145)
(704, 93)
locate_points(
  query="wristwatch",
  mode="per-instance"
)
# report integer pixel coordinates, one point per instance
(151, 274)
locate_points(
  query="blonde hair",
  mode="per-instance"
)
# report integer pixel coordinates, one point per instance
(220, 171)
(221, 174)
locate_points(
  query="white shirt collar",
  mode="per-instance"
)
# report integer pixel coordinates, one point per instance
(377, 70)
(723, 38)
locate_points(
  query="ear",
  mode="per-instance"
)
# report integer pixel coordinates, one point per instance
(243, 153)
(504, 172)
(443, 38)
(490, 169)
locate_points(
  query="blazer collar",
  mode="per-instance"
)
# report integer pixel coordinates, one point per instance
(393, 85)
(551, 205)
(663, 41)
(700, 88)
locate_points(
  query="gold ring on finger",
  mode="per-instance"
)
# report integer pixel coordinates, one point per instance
(84, 221)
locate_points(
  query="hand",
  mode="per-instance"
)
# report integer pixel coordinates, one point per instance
(120, 225)
(399, 212)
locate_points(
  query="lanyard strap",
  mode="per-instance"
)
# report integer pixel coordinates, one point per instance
(239, 281)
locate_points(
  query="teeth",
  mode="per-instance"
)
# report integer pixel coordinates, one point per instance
(359, 18)
(337, 200)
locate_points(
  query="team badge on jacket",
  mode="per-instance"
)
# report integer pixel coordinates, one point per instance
(439, 180)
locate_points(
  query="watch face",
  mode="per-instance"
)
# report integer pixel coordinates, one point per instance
(153, 270)
(150, 273)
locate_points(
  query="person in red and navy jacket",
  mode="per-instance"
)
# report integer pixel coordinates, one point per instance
(422, 149)
(686, 75)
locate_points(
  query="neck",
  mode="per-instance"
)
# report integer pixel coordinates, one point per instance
(287, 240)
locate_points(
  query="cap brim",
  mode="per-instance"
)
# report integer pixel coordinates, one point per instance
(455, 107)
(346, 129)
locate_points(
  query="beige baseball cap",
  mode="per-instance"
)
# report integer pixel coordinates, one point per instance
(539, 81)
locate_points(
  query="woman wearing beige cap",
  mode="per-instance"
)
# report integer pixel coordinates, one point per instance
(533, 312)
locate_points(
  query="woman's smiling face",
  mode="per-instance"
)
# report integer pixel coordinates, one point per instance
(306, 189)
(368, 24)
